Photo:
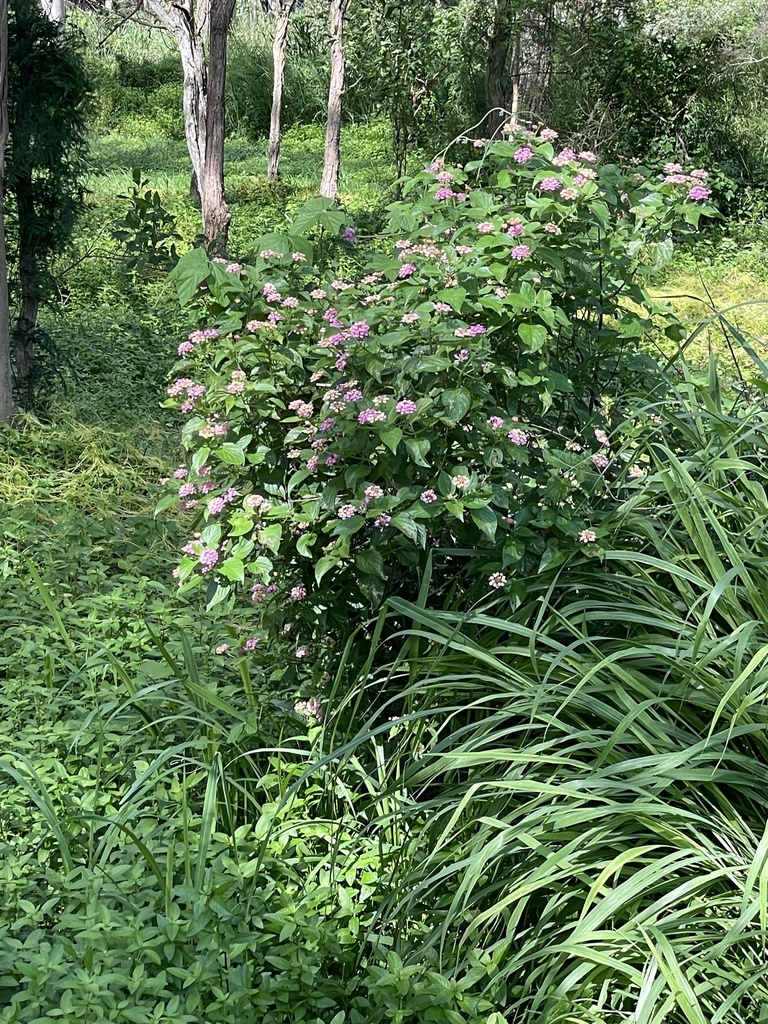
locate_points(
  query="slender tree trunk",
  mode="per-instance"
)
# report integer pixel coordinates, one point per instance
(24, 349)
(329, 186)
(216, 215)
(499, 42)
(518, 72)
(56, 10)
(189, 32)
(532, 71)
(283, 15)
(6, 380)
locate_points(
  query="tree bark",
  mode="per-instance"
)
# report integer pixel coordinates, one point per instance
(329, 186)
(499, 42)
(216, 215)
(188, 26)
(199, 26)
(518, 72)
(23, 344)
(56, 10)
(6, 379)
(283, 15)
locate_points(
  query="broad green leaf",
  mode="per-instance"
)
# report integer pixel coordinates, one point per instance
(239, 525)
(233, 569)
(407, 525)
(304, 544)
(417, 448)
(392, 438)
(325, 564)
(533, 336)
(486, 519)
(457, 403)
(271, 536)
(370, 562)
(231, 453)
(189, 272)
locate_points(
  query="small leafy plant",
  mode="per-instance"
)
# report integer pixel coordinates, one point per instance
(146, 231)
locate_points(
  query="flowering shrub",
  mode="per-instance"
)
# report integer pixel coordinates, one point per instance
(449, 406)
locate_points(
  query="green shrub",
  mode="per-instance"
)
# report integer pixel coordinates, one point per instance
(443, 416)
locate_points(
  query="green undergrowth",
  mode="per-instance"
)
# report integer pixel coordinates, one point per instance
(547, 816)
(257, 206)
(717, 283)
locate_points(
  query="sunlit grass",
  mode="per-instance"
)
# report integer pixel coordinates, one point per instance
(734, 284)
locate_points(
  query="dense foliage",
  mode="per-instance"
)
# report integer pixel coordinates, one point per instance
(399, 655)
(440, 419)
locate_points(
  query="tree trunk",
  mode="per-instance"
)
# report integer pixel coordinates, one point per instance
(24, 350)
(518, 72)
(216, 215)
(189, 33)
(56, 10)
(283, 15)
(499, 42)
(532, 71)
(329, 186)
(6, 380)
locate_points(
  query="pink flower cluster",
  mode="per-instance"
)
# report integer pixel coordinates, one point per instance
(217, 505)
(303, 410)
(236, 384)
(469, 332)
(196, 338)
(371, 416)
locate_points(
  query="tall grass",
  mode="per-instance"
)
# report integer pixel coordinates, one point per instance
(582, 786)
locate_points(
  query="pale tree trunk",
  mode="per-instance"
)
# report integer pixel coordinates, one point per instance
(518, 73)
(6, 380)
(282, 13)
(329, 186)
(499, 42)
(216, 215)
(56, 10)
(201, 30)
(188, 25)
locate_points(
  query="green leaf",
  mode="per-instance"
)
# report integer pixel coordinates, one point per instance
(309, 213)
(407, 525)
(370, 562)
(233, 569)
(166, 502)
(271, 536)
(456, 508)
(417, 448)
(486, 519)
(453, 296)
(533, 336)
(430, 364)
(189, 272)
(231, 453)
(199, 458)
(457, 403)
(239, 525)
(325, 564)
(392, 438)
(304, 544)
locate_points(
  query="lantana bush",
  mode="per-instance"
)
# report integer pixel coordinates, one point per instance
(449, 408)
